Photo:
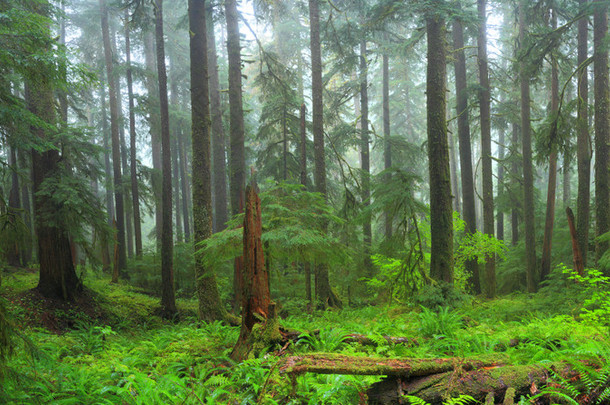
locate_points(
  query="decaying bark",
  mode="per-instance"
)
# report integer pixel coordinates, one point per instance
(257, 307)
(330, 363)
(502, 382)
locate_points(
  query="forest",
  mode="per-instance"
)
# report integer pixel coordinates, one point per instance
(304, 202)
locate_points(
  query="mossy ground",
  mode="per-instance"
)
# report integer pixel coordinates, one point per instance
(119, 351)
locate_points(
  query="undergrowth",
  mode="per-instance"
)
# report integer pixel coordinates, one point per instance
(130, 356)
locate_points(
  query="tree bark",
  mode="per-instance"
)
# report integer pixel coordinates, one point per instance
(121, 263)
(137, 222)
(256, 298)
(515, 185)
(210, 304)
(501, 188)
(545, 266)
(485, 108)
(583, 141)
(463, 121)
(602, 127)
(219, 169)
(303, 163)
(58, 278)
(175, 134)
(441, 212)
(528, 172)
(579, 265)
(184, 189)
(322, 283)
(155, 129)
(168, 299)
(237, 159)
(364, 157)
(13, 254)
(387, 146)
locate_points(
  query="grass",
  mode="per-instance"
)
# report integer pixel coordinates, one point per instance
(120, 351)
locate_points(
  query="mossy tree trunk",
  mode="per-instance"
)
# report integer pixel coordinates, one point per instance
(463, 122)
(387, 145)
(135, 196)
(58, 278)
(486, 157)
(168, 297)
(219, 170)
(322, 282)
(528, 171)
(121, 263)
(210, 305)
(583, 141)
(602, 127)
(364, 157)
(545, 265)
(441, 211)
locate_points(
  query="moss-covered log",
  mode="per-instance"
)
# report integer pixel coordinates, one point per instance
(328, 363)
(504, 383)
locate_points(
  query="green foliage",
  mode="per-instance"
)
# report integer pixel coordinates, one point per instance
(461, 400)
(291, 217)
(439, 294)
(444, 323)
(326, 340)
(596, 308)
(477, 246)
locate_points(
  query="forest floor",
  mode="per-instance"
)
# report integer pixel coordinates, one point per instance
(114, 349)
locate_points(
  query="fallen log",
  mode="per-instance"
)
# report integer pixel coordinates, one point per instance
(506, 384)
(328, 363)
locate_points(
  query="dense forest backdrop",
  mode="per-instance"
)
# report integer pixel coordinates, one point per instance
(404, 153)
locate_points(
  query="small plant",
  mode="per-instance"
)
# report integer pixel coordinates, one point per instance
(461, 400)
(327, 340)
(596, 308)
(443, 323)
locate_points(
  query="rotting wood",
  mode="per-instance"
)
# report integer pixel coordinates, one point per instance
(329, 363)
(504, 383)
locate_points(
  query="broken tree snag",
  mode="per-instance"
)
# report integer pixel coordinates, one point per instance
(579, 265)
(256, 299)
(329, 363)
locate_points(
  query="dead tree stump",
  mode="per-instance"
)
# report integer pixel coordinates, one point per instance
(257, 307)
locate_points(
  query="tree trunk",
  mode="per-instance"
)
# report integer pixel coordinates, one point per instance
(184, 189)
(13, 254)
(57, 275)
(256, 298)
(463, 121)
(501, 152)
(583, 141)
(364, 157)
(528, 172)
(303, 162)
(485, 107)
(210, 304)
(155, 129)
(124, 166)
(455, 186)
(121, 263)
(387, 146)
(441, 212)
(237, 161)
(515, 185)
(602, 127)
(175, 134)
(545, 267)
(27, 209)
(168, 299)
(218, 136)
(322, 283)
(137, 222)
(579, 266)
